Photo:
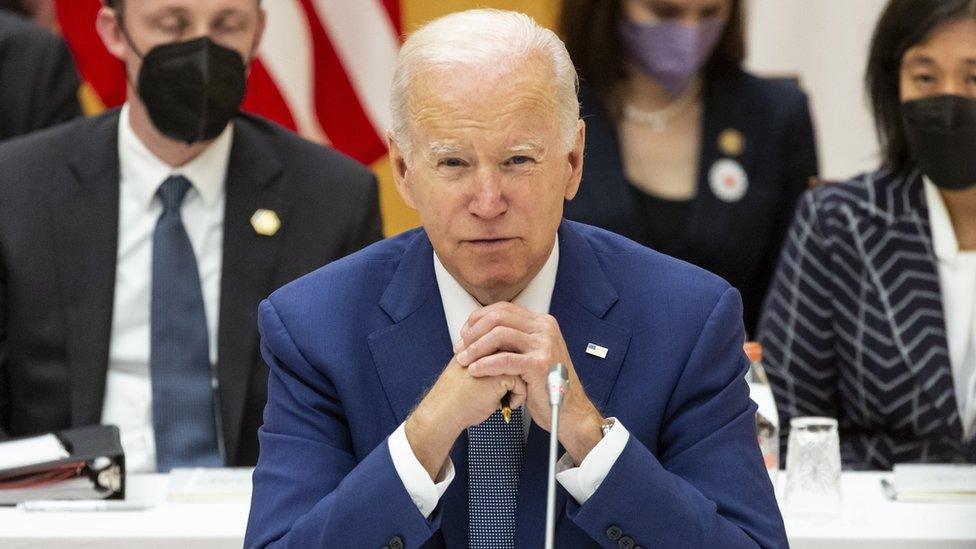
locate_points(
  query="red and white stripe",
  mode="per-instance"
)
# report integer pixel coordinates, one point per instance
(324, 68)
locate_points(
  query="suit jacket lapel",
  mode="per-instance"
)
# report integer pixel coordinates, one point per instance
(85, 218)
(722, 110)
(253, 182)
(412, 351)
(581, 299)
(410, 355)
(916, 301)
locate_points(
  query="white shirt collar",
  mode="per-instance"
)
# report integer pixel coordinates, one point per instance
(143, 170)
(943, 235)
(459, 304)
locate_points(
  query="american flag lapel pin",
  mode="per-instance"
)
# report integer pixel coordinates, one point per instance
(596, 350)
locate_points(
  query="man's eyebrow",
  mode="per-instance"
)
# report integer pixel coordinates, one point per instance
(437, 148)
(168, 11)
(526, 147)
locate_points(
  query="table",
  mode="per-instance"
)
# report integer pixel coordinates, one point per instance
(866, 521)
(168, 524)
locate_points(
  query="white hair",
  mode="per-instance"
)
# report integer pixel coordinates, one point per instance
(483, 38)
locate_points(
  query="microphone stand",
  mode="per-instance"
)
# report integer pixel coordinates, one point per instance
(558, 382)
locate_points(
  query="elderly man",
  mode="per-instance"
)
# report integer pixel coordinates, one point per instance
(382, 427)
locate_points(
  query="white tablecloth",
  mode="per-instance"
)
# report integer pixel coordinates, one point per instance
(168, 524)
(866, 521)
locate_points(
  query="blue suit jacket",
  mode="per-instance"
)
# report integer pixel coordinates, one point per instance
(353, 346)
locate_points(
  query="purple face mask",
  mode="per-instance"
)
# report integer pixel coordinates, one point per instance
(670, 53)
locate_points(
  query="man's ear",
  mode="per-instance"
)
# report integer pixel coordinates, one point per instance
(259, 36)
(398, 162)
(576, 162)
(108, 24)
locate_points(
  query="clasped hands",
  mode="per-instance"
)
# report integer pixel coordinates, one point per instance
(503, 349)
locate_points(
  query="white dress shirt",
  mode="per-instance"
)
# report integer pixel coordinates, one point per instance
(128, 390)
(957, 279)
(581, 482)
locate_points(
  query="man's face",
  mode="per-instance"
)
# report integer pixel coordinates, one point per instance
(234, 24)
(488, 172)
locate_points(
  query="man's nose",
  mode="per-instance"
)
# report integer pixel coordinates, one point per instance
(488, 199)
(197, 29)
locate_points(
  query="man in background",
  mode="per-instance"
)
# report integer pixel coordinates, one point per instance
(38, 79)
(41, 11)
(136, 246)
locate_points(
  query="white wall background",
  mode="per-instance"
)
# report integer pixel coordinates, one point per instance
(825, 44)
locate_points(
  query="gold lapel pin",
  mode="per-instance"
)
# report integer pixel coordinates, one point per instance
(731, 142)
(265, 222)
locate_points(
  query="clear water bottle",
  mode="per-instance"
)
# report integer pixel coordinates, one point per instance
(767, 420)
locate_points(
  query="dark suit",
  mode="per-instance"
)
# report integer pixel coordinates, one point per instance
(353, 346)
(38, 80)
(59, 205)
(739, 241)
(853, 326)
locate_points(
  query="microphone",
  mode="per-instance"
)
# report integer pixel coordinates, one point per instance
(557, 382)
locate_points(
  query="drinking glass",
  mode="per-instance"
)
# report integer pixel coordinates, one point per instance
(813, 466)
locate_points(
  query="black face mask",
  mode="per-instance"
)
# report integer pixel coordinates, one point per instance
(191, 89)
(941, 134)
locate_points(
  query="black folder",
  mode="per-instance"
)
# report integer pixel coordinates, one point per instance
(94, 469)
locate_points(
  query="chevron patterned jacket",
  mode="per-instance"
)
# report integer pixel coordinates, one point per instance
(853, 324)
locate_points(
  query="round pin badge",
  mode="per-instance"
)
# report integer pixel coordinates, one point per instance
(731, 142)
(265, 222)
(728, 180)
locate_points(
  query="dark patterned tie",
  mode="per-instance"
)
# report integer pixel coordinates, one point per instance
(184, 418)
(495, 451)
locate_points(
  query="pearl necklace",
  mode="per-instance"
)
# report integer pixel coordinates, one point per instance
(658, 120)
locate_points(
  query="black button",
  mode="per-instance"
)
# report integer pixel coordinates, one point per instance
(638, 547)
(626, 542)
(385, 547)
(614, 532)
(396, 542)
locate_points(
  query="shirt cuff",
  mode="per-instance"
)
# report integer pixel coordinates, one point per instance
(424, 492)
(583, 481)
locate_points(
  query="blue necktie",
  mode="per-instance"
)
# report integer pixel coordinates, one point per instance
(495, 451)
(184, 418)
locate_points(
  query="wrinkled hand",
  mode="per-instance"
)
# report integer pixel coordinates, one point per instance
(504, 339)
(455, 402)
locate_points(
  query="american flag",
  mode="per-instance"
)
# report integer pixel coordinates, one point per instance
(324, 68)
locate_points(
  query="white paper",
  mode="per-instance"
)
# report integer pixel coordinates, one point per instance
(200, 485)
(935, 478)
(30, 451)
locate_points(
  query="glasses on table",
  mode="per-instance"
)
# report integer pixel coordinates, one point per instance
(813, 466)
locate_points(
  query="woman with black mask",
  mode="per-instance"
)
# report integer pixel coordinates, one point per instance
(686, 152)
(871, 317)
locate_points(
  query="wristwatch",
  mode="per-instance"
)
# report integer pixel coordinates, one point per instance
(607, 425)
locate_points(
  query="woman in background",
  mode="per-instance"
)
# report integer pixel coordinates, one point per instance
(871, 317)
(686, 152)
